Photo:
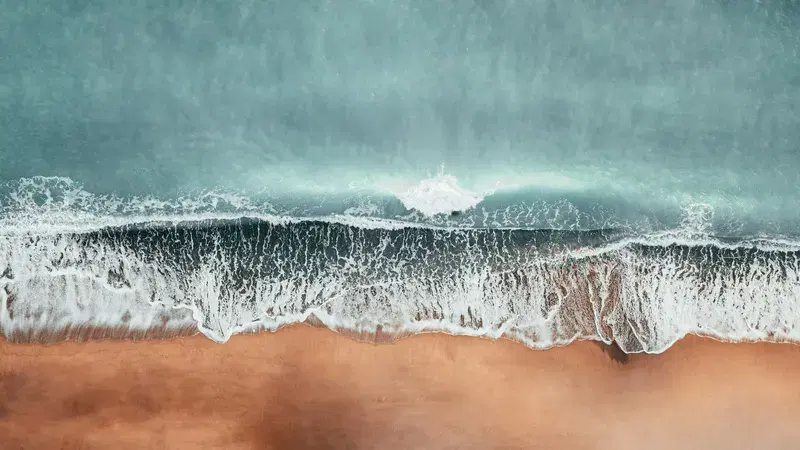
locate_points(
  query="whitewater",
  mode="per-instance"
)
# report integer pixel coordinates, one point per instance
(245, 271)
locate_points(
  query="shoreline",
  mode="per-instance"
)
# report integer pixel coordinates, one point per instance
(167, 331)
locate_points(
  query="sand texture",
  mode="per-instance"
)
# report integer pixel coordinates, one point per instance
(304, 387)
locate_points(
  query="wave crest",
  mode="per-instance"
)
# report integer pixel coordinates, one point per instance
(437, 195)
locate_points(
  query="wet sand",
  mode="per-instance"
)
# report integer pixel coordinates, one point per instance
(305, 387)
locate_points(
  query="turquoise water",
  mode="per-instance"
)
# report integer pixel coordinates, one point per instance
(673, 119)
(654, 107)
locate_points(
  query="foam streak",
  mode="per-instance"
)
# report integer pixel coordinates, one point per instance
(543, 288)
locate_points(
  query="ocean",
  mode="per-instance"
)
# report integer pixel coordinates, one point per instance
(540, 170)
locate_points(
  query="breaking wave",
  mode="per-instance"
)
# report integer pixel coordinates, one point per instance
(541, 287)
(225, 264)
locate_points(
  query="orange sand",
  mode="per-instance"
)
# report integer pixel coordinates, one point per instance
(304, 387)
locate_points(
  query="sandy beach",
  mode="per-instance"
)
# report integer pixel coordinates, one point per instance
(304, 387)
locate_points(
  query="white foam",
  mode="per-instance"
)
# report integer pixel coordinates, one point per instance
(58, 281)
(52, 205)
(56, 205)
(440, 194)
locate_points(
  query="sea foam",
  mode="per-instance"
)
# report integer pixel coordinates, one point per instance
(541, 287)
(437, 195)
(226, 264)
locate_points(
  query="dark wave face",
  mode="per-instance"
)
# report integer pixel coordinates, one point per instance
(541, 287)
